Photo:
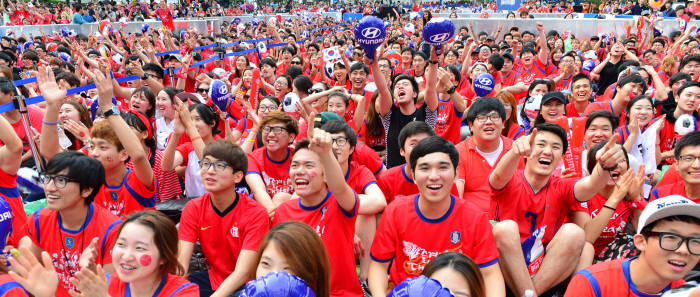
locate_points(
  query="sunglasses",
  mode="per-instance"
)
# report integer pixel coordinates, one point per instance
(314, 91)
(200, 90)
(295, 63)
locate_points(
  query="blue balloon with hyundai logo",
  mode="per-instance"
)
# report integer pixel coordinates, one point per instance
(219, 94)
(144, 28)
(421, 286)
(483, 84)
(370, 32)
(438, 32)
(277, 284)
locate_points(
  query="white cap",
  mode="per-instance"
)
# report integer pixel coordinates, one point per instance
(674, 205)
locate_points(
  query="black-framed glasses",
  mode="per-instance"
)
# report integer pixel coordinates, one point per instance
(340, 141)
(494, 117)
(59, 181)
(273, 129)
(295, 63)
(314, 91)
(669, 241)
(267, 107)
(202, 90)
(687, 159)
(219, 166)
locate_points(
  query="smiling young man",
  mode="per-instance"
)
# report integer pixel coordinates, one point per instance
(228, 225)
(687, 102)
(326, 203)
(687, 153)
(479, 154)
(581, 93)
(70, 221)
(538, 251)
(668, 238)
(453, 224)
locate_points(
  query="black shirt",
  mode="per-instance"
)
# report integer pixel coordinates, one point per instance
(394, 121)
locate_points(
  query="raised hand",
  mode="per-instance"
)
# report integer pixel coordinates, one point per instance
(90, 284)
(53, 94)
(637, 186)
(611, 154)
(78, 129)
(623, 186)
(321, 142)
(105, 90)
(39, 279)
(523, 145)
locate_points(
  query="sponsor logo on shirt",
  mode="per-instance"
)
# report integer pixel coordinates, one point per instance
(418, 257)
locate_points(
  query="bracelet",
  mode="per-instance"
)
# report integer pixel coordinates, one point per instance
(195, 138)
(609, 207)
(250, 140)
(49, 123)
(433, 61)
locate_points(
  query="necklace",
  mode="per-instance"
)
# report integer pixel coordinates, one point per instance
(69, 241)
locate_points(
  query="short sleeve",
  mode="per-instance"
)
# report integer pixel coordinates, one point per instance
(107, 241)
(383, 247)
(580, 286)
(188, 229)
(484, 250)
(185, 150)
(366, 178)
(186, 290)
(33, 228)
(253, 166)
(258, 225)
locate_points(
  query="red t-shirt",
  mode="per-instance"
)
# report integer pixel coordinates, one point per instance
(10, 193)
(129, 196)
(605, 105)
(608, 279)
(539, 215)
(223, 234)
(537, 70)
(448, 121)
(274, 174)
(10, 288)
(337, 230)
(677, 188)
(474, 170)
(395, 182)
(168, 186)
(618, 221)
(65, 246)
(35, 118)
(462, 229)
(170, 286)
(359, 177)
(370, 140)
(365, 155)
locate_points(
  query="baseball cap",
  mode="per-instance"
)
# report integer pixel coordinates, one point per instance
(674, 205)
(323, 117)
(553, 96)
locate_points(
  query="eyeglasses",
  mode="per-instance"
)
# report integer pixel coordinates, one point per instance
(384, 66)
(59, 181)
(494, 117)
(219, 166)
(295, 63)
(687, 159)
(671, 241)
(267, 107)
(202, 90)
(273, 129)
(314, 91)
(340, 141)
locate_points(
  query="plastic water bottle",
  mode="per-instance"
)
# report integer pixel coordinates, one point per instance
(63, 140)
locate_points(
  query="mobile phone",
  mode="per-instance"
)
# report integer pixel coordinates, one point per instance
(221, 56)
(425, 48)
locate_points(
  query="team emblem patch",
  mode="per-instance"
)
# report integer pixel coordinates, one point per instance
(69, 242)
(114, 196)
(455, 237)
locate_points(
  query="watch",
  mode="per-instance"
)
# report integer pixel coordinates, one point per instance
(145, 76)
(451, 90)
(112, 111)
(433, 61)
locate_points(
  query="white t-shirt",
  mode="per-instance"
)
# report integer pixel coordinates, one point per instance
(492, 157)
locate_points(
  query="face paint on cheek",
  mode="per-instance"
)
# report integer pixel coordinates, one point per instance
(314, 174)
(145, 260)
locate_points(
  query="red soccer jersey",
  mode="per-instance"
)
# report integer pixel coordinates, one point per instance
(677, 188)
(10, 288)
(604, 105)
(474, 170)
(364, 155)
(537, 70)
(170, 286)
(371, 141)
(9, 192)
(359, 177)
(337, 230)
(617, 223)
(608, 279)
(275, 175)
(395, 182)
(448, 121)
(668, 136)
(130, 196)
(65, 246)
(539, 215)
(462, 229)
(223, 234)
(510, 79)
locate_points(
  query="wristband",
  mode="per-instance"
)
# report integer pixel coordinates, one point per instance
(433, 61)
(49, 123)
(250, 140)
(609, 207)
(195, 138)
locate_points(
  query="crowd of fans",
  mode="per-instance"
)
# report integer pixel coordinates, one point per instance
(288, 149)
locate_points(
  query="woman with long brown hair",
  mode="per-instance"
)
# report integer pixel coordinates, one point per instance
(510, 123)
(295, 248)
